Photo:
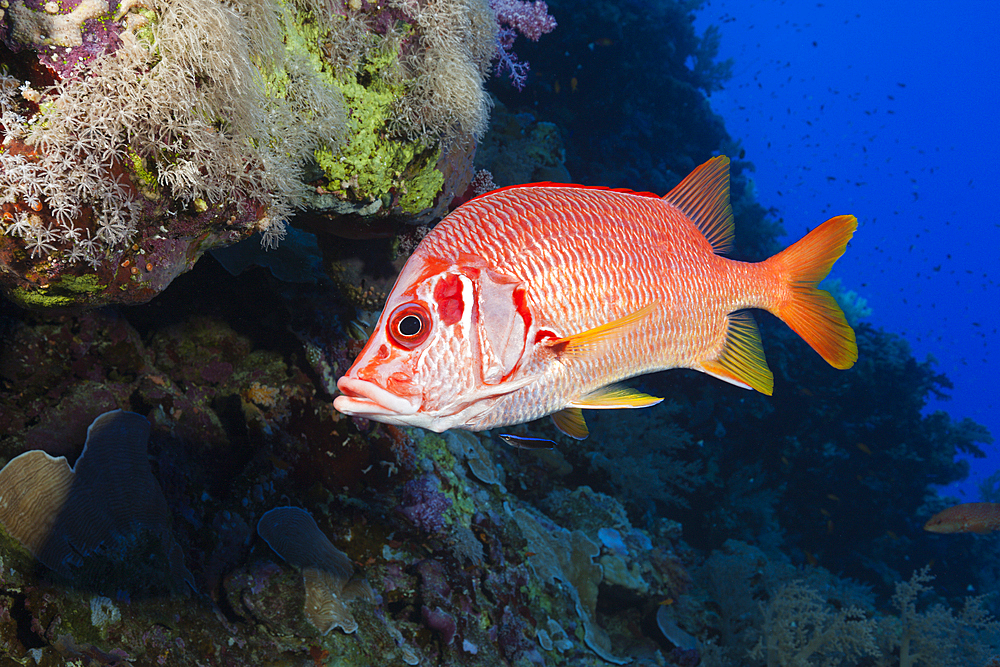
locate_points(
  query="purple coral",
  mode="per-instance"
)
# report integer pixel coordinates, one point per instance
(441, 621)
(512, 639)
(531, 19)
(434, 581)
(424, 505)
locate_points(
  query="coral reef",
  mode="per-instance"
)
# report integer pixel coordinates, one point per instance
(935, 635)
(705, 531)
(121, 165)
(476, 553)
(449, 553)
(137, 135)
(817, 635)
(326, 571)
(103, 522)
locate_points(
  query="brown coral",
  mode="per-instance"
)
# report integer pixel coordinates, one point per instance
(326, 571)
(108, 503)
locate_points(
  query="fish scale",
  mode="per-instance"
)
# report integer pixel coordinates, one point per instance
(535, 300)
(634, 286)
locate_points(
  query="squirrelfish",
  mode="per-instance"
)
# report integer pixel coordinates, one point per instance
(538, 299)
(966, 518)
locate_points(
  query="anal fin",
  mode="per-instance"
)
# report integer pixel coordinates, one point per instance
(615, 396)
(742, 360)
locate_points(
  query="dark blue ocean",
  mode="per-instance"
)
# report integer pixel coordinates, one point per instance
(877, 110)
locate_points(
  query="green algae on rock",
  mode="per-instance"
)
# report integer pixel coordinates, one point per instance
(174, 127)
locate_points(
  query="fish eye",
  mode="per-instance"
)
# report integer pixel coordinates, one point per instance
(409, 325)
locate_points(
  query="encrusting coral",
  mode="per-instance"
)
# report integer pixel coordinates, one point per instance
(150, 131)
(568, 557)
(146, 151)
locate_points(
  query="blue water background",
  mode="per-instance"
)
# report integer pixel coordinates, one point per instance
(886, 110)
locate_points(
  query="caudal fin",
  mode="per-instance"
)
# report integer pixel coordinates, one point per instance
(809, 311)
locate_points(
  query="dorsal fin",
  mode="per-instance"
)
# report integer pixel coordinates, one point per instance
(742, 360)
(704, 197)
(549, 185)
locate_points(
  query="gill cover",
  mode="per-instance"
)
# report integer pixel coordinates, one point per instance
(499, 319)
(503, 325)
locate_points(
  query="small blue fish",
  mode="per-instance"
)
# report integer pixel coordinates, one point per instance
(524, 442)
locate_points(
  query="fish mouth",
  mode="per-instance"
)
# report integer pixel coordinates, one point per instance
(366, 399)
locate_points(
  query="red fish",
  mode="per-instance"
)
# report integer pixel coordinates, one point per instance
(966, 518)
(536, 300)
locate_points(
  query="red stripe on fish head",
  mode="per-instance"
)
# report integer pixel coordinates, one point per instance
(389, 367)
(521, 303)
(416, 274)
(448, 297)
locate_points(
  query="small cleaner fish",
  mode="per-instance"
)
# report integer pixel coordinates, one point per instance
(539, 299)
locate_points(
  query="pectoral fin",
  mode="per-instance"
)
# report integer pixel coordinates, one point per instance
(587, 341)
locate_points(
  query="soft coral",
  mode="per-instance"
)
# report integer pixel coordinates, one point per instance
(531, 19)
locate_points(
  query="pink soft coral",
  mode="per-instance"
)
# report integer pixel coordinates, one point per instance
(531, 19)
